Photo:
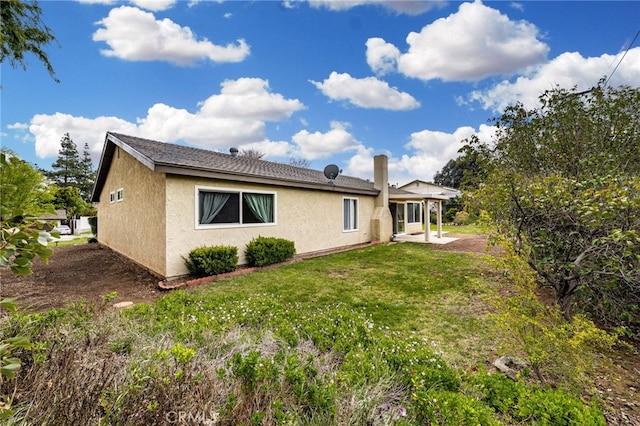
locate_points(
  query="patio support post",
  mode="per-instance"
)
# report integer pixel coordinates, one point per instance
(427, 221)
(439, 218)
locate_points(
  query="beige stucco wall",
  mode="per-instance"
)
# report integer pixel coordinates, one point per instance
(312, 219)
(135, 226)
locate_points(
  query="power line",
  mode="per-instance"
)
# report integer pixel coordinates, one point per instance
(620, 61)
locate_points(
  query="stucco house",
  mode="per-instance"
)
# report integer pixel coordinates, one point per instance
(157, 201)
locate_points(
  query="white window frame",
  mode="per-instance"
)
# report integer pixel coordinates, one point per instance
(196, 217)
(119, 195)
(355, 214)
(410, 208)
(112, 197)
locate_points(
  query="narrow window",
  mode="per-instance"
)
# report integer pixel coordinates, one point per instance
(112, 197)
(120, 195)
(350, 214)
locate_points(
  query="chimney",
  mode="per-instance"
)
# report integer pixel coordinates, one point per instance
(234, 151)
(381, 180)
(381, 220)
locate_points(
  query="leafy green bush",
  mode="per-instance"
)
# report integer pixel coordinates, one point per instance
(545, 406)
(212, 260)
(93, 222)
(450, 215)
(264, 251)
(461, 218)
(444, 407)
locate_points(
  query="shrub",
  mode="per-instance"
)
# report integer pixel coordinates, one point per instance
(93, 222)
(444, 407)
(545, 406)
(450, 215)
(263, 251)
(461, 218)
(212, 260)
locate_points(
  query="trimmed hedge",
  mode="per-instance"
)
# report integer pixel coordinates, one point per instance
(212, 260)
(93, 222)
(262, 251)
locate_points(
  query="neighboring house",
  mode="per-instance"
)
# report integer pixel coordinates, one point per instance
(81, 224)
(427, 188)
(157, 201)
(56, 219)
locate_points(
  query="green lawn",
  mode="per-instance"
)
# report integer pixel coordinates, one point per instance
(406, 287)
(473, 228)
(386, 334)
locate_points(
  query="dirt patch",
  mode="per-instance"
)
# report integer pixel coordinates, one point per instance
(81, 272)
(467, 243)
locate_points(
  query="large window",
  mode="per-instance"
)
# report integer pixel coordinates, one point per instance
(413, 213)
(217, 207)
(350, 214)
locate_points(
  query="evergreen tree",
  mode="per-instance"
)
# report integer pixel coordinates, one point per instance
(88, 174)
(69, 170)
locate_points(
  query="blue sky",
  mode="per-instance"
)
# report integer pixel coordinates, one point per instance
(326, 81)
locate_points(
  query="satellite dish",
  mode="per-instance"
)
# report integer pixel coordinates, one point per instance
(331, 171)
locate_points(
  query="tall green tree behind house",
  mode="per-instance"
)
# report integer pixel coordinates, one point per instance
(463, 172)
(23, 32)
(563, 187)
(69, 170)
(88, 175)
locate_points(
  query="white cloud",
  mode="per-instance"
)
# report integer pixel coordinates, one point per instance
(361, 164)
(135, 35)
(154, 5)
(49, 129)
(280, 149)
(409, 7)
(17, 126)
(218, 124)
(107, 2)
(567, 70)
(249, 98)
(431, 150)
(366, 92)
(469, 45)
(311, 146)
(382, 57)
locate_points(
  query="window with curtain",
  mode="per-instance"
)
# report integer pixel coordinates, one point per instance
(350, 214)
(217, 207)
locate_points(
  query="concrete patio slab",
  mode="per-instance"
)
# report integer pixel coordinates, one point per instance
(419, 238)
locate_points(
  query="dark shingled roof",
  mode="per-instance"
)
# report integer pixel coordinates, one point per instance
(182, 160)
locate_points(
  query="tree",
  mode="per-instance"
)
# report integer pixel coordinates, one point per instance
(24, 189)
(563, 187)
(25, 197)
(299, 162)
(88, 175)
(462, 172)
(68, 198)
(23, 31)
(252, 153)
(70, 170)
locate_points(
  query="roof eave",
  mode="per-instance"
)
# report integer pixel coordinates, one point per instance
(241, 177)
